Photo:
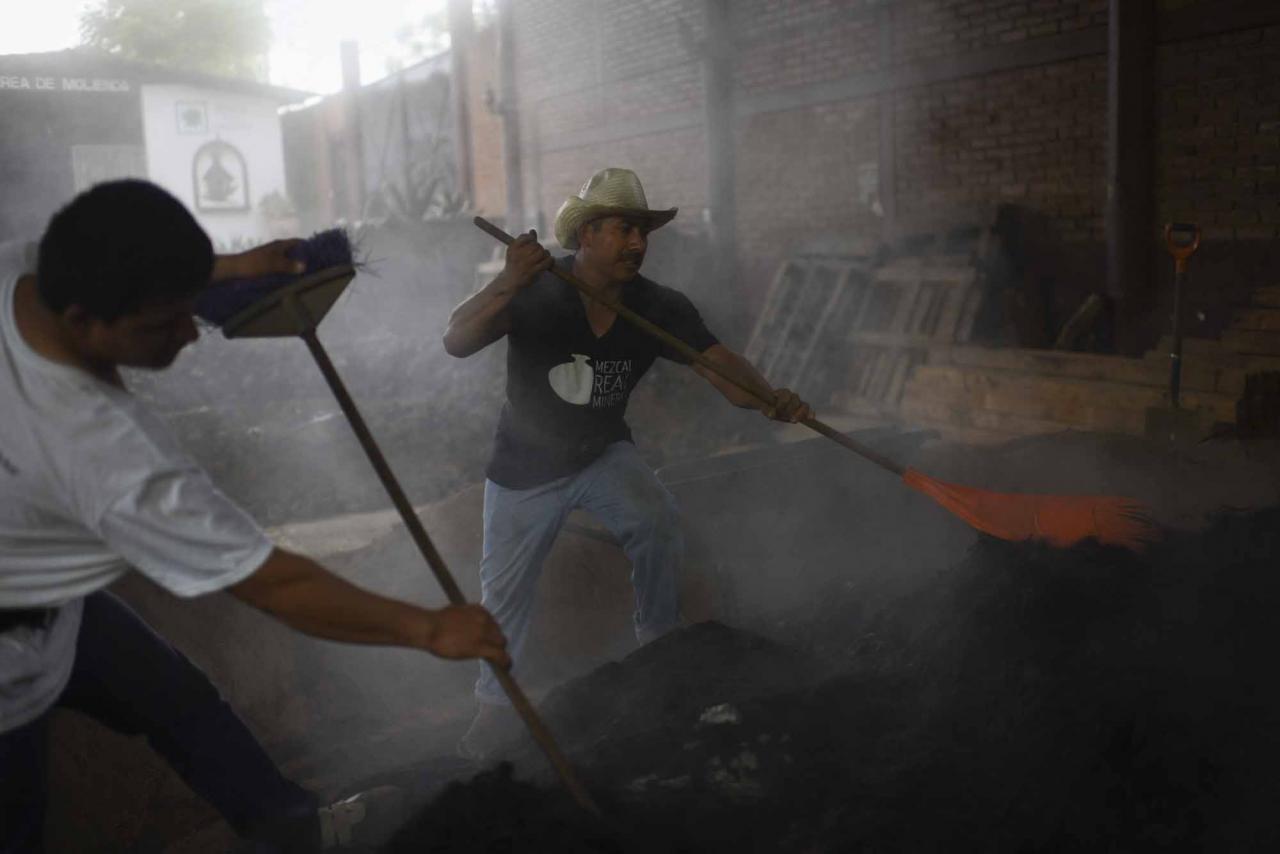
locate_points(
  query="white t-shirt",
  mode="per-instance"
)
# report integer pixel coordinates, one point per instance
(91, 484)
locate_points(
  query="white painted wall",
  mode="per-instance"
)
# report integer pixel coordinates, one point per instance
(249, 123)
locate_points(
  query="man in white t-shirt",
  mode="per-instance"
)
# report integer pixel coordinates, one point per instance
(92, 484)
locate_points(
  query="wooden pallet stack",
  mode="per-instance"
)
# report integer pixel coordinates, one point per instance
(811, 297)
(874, 340)
(848, 331)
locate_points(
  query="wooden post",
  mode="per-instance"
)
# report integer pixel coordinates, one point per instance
(718, 109)
(1130, 108)
(888, 163)
(353, 135)
(507, 106)
(460, 41)
(406, 136)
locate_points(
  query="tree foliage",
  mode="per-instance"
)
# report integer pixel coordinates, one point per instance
(225, 37)
(427, 35)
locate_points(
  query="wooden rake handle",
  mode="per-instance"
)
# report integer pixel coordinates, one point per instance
(698, 358)
(519, 701)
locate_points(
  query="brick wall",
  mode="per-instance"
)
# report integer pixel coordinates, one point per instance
(803, 175)
(672, 167)
(583, 46)
(608, 82)
(932, 28)
(1035, 137)
(1218, 131)
(583, 67)
(782, 43)
(1217, 163)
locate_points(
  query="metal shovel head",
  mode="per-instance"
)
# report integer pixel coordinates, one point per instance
(1179, 427)
(270, 317)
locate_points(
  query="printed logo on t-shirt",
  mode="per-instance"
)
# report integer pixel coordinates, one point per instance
(613, 377)
(601, 385)
(572, 381)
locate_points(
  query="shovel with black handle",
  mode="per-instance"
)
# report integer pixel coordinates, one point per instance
(1173, 423)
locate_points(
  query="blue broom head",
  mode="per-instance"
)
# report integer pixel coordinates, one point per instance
(224, 300)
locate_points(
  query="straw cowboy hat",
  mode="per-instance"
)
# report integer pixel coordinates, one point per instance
(609, 192)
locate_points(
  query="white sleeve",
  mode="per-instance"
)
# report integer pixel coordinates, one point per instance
(175, 527)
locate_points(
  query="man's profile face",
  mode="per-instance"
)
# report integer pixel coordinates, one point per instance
(617, 248)
(150, 338)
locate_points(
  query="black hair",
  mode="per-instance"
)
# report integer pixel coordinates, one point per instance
(120, 246)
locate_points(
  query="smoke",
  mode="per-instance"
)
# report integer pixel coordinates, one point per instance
(780, 137)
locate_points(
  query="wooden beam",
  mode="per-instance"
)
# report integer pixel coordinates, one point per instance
(460, 40)
(1203, 19)
(887, 172)
(352, 133)
(721, 147)
(508, 107)
(1130, 205)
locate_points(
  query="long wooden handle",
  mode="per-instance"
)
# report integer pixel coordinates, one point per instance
(694, 356)
(532, 721)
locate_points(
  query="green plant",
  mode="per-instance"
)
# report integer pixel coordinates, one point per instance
(425, 192)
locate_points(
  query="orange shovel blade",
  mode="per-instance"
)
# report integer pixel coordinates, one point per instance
(1060, 520)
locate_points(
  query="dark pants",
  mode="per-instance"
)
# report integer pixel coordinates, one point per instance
(130, 679)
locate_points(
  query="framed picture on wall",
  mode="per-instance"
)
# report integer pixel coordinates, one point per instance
(191, 117)
(220, 178)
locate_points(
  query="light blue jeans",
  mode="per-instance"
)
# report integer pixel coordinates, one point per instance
(521, 524)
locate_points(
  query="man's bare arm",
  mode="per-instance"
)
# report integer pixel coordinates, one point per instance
(304, 595)
(482, 318)
(785, 405)
(262, 260)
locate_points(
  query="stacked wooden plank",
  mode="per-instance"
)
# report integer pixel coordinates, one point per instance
(978, 393)
(1255, 330)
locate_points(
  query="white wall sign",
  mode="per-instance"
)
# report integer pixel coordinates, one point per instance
(39, 83)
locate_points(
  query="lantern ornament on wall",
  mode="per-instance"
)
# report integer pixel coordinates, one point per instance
(220, 178)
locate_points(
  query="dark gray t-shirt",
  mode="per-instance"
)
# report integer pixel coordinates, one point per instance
(567, 390)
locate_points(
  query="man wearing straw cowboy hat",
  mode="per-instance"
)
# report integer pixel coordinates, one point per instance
(562, 442)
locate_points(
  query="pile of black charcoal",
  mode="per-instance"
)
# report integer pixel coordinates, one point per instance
(1026, 699)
